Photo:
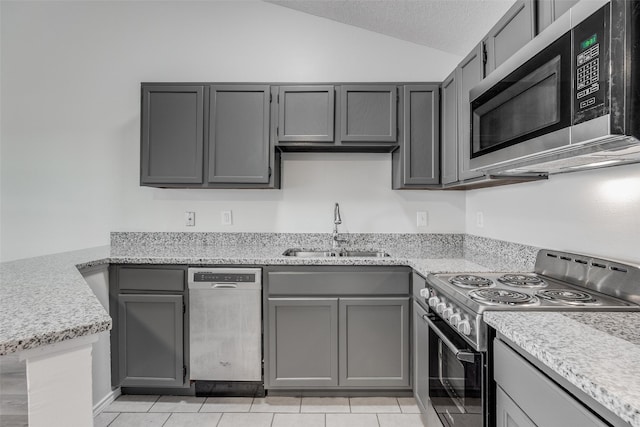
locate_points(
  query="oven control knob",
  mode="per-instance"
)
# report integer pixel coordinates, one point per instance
(440, 307)
(464, 327)
(433, 301)
(447, 312)
(454, 319)
(424, 292)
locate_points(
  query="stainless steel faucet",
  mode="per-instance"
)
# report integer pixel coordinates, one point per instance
(336, 240)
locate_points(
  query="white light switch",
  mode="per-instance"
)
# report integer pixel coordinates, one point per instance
(226, 218)
(422, 218)
(480, 219)
(190, 219)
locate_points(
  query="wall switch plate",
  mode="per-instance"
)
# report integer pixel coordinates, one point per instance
(190, 219)
(226, 218)
(422, 218)
(480, 219)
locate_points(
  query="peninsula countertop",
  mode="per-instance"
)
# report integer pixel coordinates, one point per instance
(45, 299)
(598, 352)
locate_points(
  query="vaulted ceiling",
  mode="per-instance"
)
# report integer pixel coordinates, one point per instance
(453, 26)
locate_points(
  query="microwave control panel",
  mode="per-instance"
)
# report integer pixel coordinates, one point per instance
(590, 56)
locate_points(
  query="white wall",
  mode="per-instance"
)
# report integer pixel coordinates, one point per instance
(71, 74)
(593, 212)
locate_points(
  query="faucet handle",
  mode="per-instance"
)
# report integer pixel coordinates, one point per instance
(336, 214)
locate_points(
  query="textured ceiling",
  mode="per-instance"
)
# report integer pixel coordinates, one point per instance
(453, 26)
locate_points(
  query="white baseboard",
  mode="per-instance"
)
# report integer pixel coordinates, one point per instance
(106, 401)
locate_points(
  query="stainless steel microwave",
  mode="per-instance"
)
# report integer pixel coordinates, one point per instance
(569, 99)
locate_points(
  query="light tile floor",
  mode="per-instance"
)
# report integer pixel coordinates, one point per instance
(271, 411)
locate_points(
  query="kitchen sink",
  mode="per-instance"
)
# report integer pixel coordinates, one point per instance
(325, 253)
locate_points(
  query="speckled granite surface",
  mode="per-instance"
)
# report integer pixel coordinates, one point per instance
(499, 255)
(597, 352)
(44, 300)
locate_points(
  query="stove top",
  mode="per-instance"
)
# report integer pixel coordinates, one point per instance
(560, 282)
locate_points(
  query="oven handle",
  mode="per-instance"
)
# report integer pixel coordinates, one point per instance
(461, 355)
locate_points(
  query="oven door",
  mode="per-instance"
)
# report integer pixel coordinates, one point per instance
(456, 377)
(527, 112)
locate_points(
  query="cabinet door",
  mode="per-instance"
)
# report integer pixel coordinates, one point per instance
(419, 154)
(239, 134)
(449, 132)
(150, 340)
(550, 10)
(513, 31)
(420, 356)
(374, 342)
(368, 113)
(508, 414)
(172, 134)
(469, 74)
(303, 342)
(306, 113)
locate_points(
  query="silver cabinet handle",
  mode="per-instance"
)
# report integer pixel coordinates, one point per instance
(461, 355)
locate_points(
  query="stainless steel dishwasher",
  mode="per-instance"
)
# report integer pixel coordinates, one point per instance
(225, 324)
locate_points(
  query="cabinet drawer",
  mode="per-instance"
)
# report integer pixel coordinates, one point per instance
(539, 397)
(151, 279)
(354, 281)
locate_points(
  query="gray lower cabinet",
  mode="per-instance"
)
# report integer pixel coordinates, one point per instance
(527, 397)
(416, 164)
(513, 30)
(303, 348)
(374, 342)
(508, 414)
(306, 113)
(420, 357)
(149, 335)
(337, 328)
(368, 113)
(172, 134)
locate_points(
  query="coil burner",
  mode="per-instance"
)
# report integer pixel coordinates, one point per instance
(502, 297)
(568, 296)
(522, 281)
(471, 281)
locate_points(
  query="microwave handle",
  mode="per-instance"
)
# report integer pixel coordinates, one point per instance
(461, 355)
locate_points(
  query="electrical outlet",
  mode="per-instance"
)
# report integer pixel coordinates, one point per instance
(190, 219)
(422, 218)
(479, 219)
(226, 218)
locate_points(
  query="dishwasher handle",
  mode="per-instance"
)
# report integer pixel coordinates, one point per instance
(224, 286)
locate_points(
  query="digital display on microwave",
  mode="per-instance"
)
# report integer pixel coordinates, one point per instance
(589, 42)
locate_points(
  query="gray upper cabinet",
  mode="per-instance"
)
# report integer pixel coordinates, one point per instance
(468, 74)
(417, 163)
(239, 134)
(303, 334)
(550, 10)
(306, 114)
(514, 30)
(368, 113)
(449, 131)
(207, 136)
(172, 134)
(374, 326)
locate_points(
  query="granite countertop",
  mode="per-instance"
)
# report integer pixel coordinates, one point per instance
(598, 352)
(44, 300)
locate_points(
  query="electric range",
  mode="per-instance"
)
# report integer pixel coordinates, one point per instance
(459, 340)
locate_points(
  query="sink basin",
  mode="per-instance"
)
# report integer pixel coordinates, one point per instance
(325, 253)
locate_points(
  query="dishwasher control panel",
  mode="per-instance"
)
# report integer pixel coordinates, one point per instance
(210, 276)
